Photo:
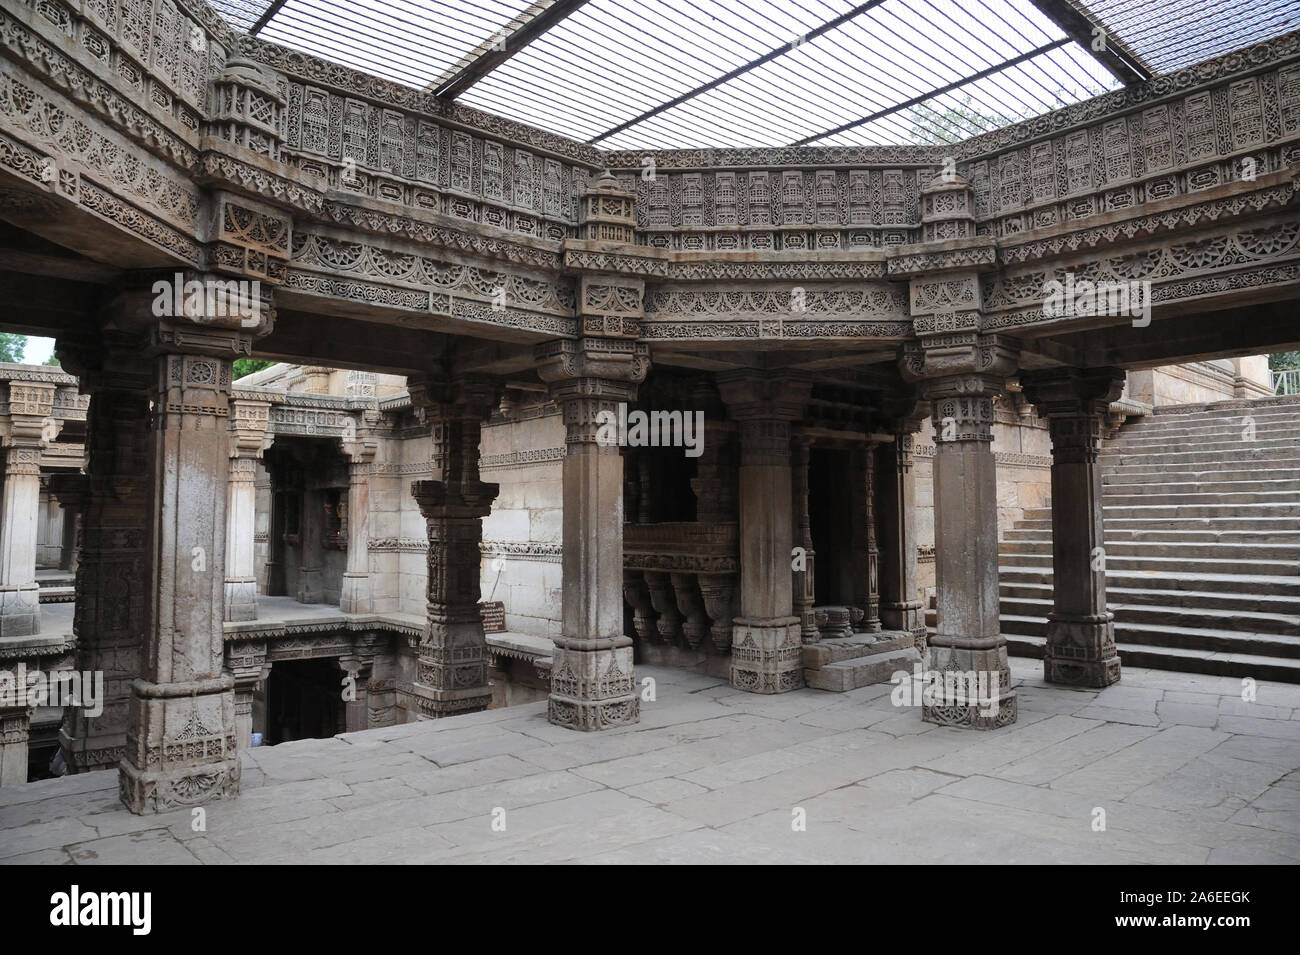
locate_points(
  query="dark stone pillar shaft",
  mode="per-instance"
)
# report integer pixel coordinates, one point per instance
(968, 642)
(1080, 647)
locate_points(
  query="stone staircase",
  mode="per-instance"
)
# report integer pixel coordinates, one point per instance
(1202, 525)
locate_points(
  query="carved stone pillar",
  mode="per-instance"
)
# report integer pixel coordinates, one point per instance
(451, 666)
(1080, 630)
(901, 607)
(592, 685)
(311, 550)
(961, 368)
(113, 587)
(249, 424)
(181, 739)
(647, 489)
(15, 729)
(247, 663)
(357, 594)
(804, 571)
(969, 637)
(30, 404)
(866, 550)
(356, 671)
(766, 646)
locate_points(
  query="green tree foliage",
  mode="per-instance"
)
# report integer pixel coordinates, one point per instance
(937, 126)
(1283, 360)
(246, 366)
(12, 346)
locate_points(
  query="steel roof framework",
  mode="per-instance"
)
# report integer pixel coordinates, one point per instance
(636, 74)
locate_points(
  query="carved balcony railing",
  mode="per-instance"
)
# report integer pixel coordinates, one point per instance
(680, 580)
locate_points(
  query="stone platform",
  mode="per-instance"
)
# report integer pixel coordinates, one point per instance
(1184, 771)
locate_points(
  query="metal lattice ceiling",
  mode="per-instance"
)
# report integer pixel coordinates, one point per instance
(640, 74)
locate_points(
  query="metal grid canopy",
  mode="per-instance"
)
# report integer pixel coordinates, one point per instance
(642, 74)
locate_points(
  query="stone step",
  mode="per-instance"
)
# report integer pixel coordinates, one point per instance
(1138, 614)
(1153, 427)
(1175, 485)
(1278, 669)
(1115, 497)
(1224, 552)
(1199, 582)
(1159, 534)
(1241, 516)
(1201, 445)
(1109, 464)
(1229, 438)
(1270, 479)
(1208, 411)
(1195, 565)
(1206, 639)
(1154, 511)
(1272, 453)
(850, 674)
(1285, 604)
(57, 594)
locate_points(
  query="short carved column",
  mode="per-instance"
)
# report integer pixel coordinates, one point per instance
(901, 607)
(1080, 647)
(250, 422)
(968, 641)
(30, 403)
(766, 646)
(357, 593)
(592, 680)
(452, 672)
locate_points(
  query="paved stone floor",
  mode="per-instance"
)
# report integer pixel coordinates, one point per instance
(1184, 770)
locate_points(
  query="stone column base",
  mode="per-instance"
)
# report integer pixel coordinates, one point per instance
(767, 655)
(983, 700)
(434, 703)
(20, 610)
(15, 729)
(93, 743)
(1081, 651)
(241, 599)
(186, 753)
(593, 689)
(354, 596)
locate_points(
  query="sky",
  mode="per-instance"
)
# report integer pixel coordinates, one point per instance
(38, 350)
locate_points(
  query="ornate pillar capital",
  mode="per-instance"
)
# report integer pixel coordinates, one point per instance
(954, 363)
(588, 376)
(1072, 391)
(592, 366)
(250, 423)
